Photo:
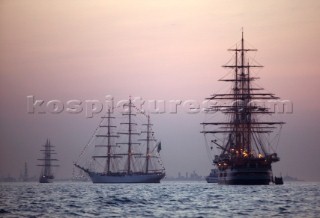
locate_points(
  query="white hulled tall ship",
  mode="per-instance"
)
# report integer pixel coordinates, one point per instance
(242, 137)
(123, 153)
(46, 175)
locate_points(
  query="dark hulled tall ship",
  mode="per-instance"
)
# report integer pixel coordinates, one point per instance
(243, 154)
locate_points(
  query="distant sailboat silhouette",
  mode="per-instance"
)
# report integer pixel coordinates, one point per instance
(46, 175)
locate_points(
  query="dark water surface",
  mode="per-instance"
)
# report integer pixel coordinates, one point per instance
(168, 199)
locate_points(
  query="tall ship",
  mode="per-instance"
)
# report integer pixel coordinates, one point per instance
(240, 124)
(47, 164)
(123, 149)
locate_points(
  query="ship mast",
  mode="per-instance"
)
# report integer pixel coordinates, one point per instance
(148, 139)
(245, 113)
(148, 145)
(130, 133)
(243, 127)
(25, 175)
(129, 137)
(109, 143)
(109, 155)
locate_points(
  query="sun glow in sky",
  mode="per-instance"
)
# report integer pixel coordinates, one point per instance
(168, 49)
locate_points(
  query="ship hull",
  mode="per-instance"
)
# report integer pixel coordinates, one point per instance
(45, 179)
(126, 178)
(245, 176)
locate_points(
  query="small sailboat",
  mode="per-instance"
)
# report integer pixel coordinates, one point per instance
(123, 153)
(278, 180)
(213, 176)
(46, 175)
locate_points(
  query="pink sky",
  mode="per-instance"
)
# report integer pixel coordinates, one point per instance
(168, 49)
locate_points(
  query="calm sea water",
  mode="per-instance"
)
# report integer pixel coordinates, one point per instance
(168, 199)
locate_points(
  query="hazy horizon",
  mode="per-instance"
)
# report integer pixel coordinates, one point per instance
(170, 50)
